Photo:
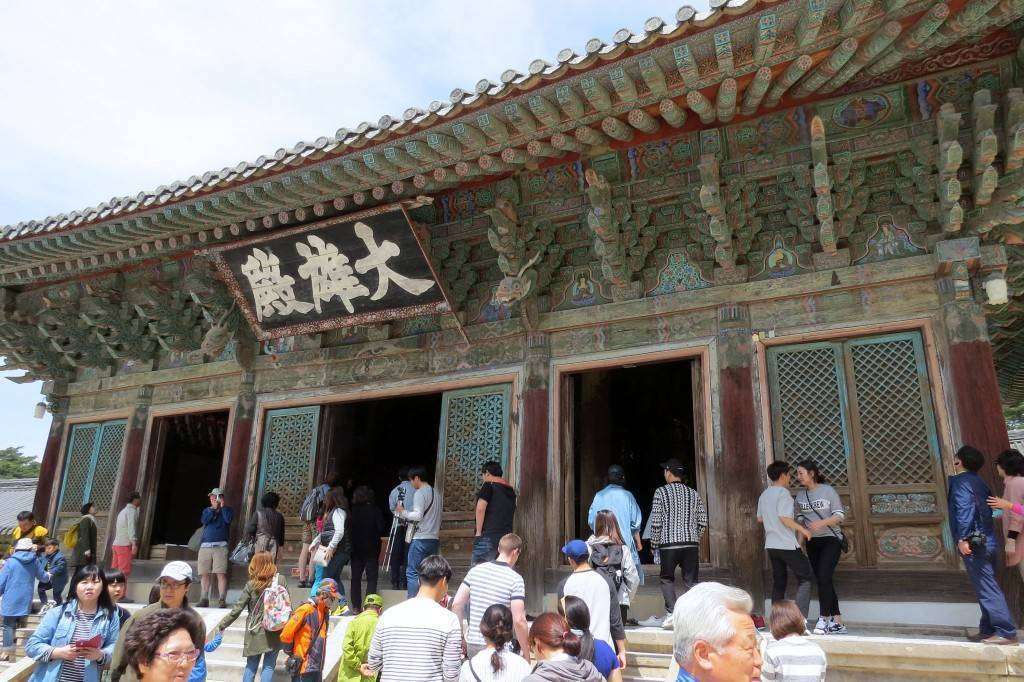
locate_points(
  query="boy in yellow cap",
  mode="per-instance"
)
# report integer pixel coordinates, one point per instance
(357, 640)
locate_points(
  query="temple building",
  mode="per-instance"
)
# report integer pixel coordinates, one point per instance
(779, 230)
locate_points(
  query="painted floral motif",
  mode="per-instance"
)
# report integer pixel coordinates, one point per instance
(779, 131)
(553, 183)
(958, 88)
(662, 157)
(909, 544)
(679, 274)
(904, 503)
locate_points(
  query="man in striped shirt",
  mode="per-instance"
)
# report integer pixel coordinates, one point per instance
(418, 639)
(494, 582)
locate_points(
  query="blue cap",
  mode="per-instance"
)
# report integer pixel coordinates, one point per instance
(576, 550)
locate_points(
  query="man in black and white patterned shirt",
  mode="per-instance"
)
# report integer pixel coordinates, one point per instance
(678, 520)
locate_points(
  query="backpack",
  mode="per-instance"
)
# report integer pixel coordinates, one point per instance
(277, 606)
(313, 505)
(71, 537)
(607, 560)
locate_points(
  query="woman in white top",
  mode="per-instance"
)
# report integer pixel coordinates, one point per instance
(337, 541)
(495, 663)
(606, 537)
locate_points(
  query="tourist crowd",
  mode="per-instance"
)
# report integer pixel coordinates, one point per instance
(481, 632)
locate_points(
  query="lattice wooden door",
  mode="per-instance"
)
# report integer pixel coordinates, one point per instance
(288, 455)
(91, 465)
(862, 409)
(474, 430)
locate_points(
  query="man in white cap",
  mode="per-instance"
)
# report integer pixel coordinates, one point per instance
(213, 552)
(174, 582)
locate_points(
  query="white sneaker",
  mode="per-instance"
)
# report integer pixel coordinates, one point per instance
(668, 623)
(652, 622)
(822, 626)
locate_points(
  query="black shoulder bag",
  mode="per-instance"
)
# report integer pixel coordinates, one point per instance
(976, 539)
(844, 542)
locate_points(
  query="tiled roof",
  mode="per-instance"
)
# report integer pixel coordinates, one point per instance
(511, 82)
(16, 495)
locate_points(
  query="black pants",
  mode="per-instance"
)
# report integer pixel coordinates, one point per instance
(824, 554)
(360, 564)
(399, 552)
(686, 558)
(783, 561)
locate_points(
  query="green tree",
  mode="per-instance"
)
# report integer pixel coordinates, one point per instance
(15, 464)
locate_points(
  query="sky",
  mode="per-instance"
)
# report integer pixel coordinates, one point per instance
(107, 99)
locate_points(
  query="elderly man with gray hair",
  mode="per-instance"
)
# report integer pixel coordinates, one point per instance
(715, 637)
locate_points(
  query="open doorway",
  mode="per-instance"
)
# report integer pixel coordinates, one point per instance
(636, 416)
(368, 441)
(188, 454)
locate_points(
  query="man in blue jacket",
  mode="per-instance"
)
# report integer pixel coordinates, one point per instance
(970, 522)
(213, 552)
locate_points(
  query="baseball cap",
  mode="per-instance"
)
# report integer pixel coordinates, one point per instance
(217, 491)
(177, 570)
(23, 544)
(328, 587)
(672, 464)
(373, 600)
(576, 550)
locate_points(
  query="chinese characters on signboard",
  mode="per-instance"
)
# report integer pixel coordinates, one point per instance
(306, 280)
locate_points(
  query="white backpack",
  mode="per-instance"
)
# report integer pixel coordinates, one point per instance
(277, 606)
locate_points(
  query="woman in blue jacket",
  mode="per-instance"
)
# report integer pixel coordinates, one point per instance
(88, 614)
(17, 582)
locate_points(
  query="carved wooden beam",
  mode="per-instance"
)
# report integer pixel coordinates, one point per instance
(596, 93)
(756, 90)
(445, 145)
(672, 113)
(764, 41)
(520, 117)
(571, 104)
(950, 156)
(711, 201)
(513, 156)
(796, 69)
(468, 135)
(623, 83)
(540, 148)
(852, 13)
(653, 76)
(588, 136)
(912, 40)
(824, 208)
(810, 23)
(722, 40)
(566, 143)
(616, 129)
(827, 69)
(686, 65)
(544, 110)
(725, 100)
(986, 146)
(1013, 129)
(642, 121)
(870, 50)
(701, 106)
(493, 127)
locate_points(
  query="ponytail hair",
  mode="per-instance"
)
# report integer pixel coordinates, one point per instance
(552, 630)
(496, 627)
(577, 614)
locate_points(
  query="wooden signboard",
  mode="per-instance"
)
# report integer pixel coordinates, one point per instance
(354, 269)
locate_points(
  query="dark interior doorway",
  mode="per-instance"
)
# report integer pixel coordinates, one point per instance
(636, 416)
(367, 442)
(190, 451)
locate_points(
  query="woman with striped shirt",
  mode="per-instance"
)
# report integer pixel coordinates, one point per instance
(57, 644)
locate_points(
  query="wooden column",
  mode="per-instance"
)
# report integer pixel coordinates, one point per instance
(533, 470)
(237, 452)
(738, 464)
(49, 478)
(131, 463)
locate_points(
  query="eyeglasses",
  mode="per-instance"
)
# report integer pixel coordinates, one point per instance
(171, 584)
(179, 657)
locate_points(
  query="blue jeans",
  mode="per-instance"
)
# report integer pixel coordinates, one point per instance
(995, 614)
(252, 664)
(10, 629)
(485, 548)
(418, 551)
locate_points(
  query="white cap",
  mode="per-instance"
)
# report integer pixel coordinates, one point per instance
(177, 570)
(24, 543)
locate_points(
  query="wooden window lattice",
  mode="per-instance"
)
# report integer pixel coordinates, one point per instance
(93, 462)
(76, 470)
(289, 448)
(893, 421)
(475, 431)
(807, 404)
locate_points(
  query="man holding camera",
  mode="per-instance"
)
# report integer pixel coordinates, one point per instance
(213, 552)
(970, 522)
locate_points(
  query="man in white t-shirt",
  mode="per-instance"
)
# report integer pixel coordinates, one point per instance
(600, 595)
(418, 639)
(494, 582)
(775, 511)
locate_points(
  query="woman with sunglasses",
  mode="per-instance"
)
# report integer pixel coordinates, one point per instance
(75, 640)
(164, 646)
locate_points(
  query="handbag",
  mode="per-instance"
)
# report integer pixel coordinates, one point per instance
(844, 542)
(318, 553)
(264, 541)
(196, 541)
(976, 539)
(242, 553)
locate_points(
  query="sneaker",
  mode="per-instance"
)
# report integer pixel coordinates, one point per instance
(821, 627)
(203, 603)
(652, 622)
(222, 604)
(836, 629)
(668, 623)
(997, 639)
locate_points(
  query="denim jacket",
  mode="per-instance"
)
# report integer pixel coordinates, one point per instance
(57, 629)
